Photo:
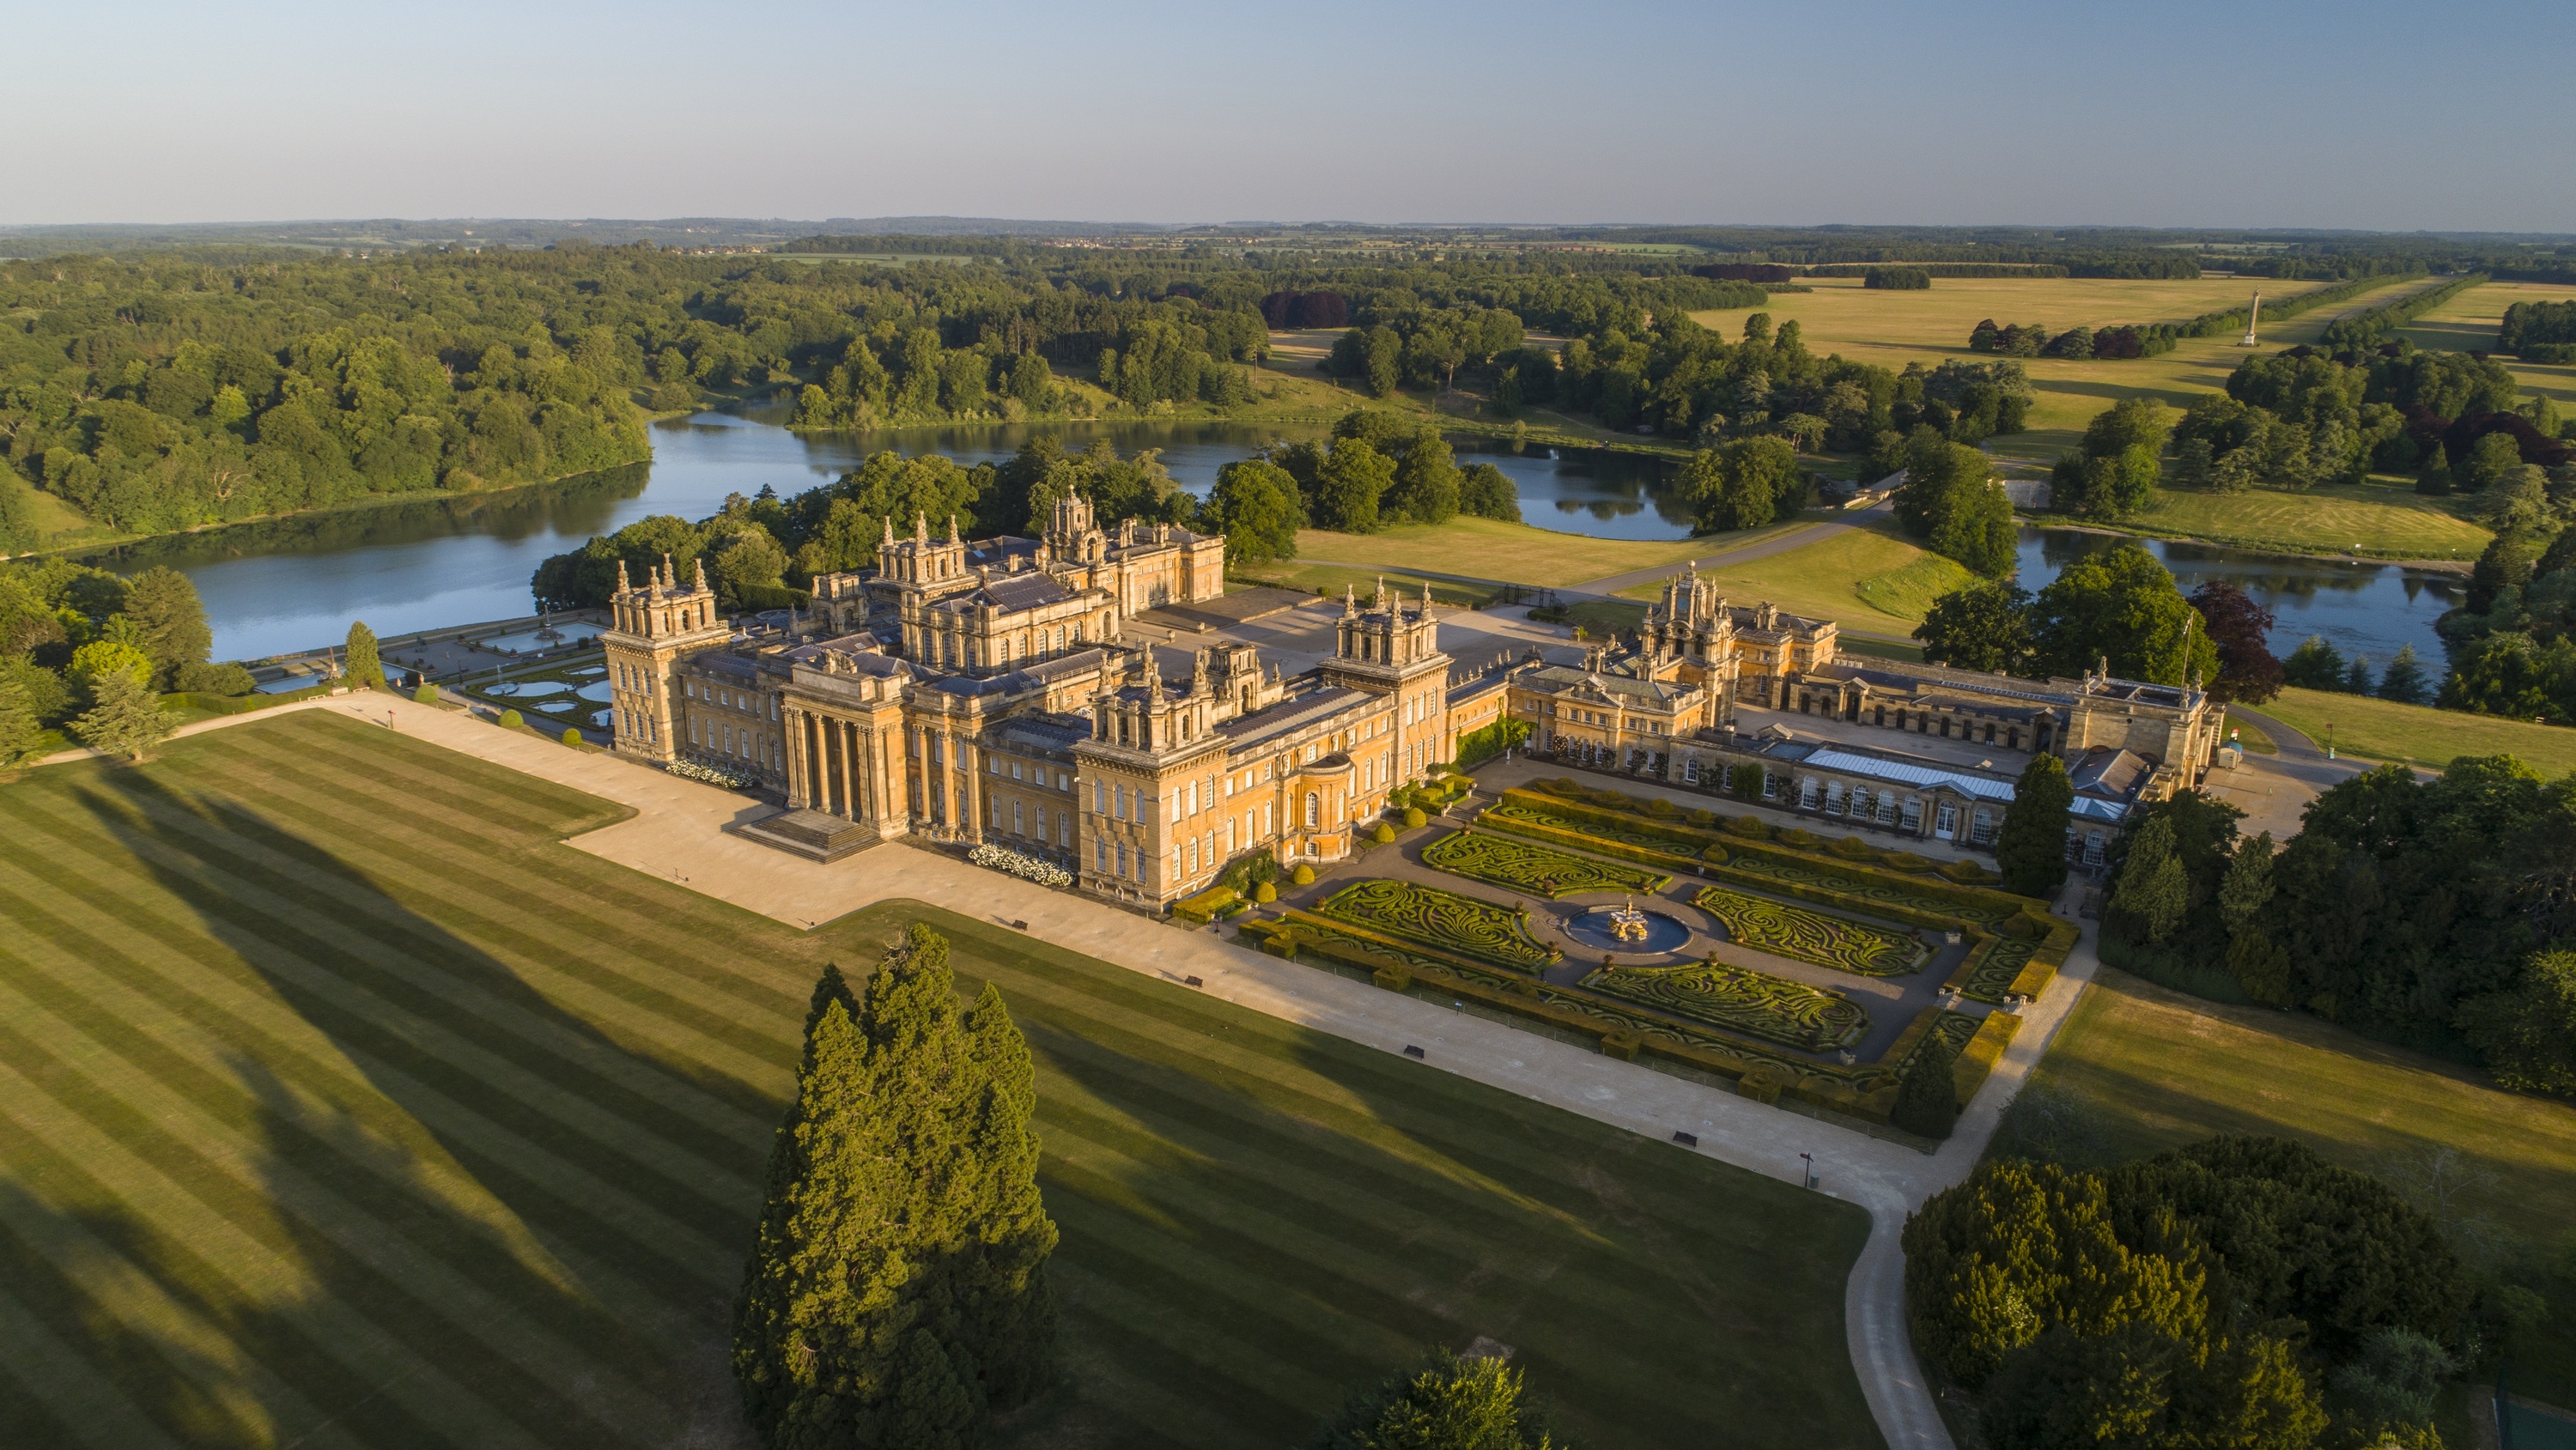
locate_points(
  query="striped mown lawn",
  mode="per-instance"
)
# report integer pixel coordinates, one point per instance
(341, 1105)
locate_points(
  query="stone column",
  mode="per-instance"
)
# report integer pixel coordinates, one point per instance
(795, 760)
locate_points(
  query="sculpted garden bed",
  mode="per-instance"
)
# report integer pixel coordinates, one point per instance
(1479, 929)
(1774, 1009)
(1812, 936)
(1536, 869)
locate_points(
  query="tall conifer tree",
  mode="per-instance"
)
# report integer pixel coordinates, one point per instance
(897, 1286)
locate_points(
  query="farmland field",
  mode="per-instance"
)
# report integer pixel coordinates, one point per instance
(2468, 322)
(1892, 329)
(341, 1105)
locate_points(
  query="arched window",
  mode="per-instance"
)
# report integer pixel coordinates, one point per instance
(1314, 810)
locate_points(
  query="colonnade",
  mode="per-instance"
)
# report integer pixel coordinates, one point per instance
(841, 768)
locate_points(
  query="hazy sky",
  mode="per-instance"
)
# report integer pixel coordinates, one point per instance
(2449, 116)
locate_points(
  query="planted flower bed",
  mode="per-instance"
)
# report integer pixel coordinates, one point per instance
(1027, 868)
(1812, 936)
(1754, 1003)
(1536, 869)
(1445, 919)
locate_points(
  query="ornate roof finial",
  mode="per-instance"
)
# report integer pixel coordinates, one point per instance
(622, 586)
(1426, 599)
(888, 541)
(1380, 601)
(1350, 602)
(668, 580)
(701, 582)
(952, 528)
(920, 528)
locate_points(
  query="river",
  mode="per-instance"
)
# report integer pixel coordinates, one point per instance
(296, 583)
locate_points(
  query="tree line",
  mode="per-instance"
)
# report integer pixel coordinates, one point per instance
(155, 392)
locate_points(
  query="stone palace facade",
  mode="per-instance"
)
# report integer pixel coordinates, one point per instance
(988, 691)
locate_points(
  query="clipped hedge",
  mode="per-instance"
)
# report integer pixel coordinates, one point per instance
(1977, 1060)
(1206, 906)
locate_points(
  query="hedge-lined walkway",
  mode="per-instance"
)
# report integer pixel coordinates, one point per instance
(341, 1106)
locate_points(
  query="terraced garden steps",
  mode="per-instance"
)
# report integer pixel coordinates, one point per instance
(1538, 870)
(1812, 936)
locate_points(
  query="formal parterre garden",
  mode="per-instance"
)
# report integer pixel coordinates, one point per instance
(1771, 1036)
(1766, 925)
(1427, 914)
(1538, 870)
(1772, 1008)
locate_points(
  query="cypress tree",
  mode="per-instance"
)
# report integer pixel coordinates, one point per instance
(363, 667)
(897, 1286)
(2031, 848)
(2154, 890)
(1927, 1095)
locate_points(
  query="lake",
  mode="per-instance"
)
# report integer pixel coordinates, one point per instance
(295, 584)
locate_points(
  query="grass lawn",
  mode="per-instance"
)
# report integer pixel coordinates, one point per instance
(341, 1105)
(1891, 329)
(2374, 520)
(2468, 323)
(2419, 734)
(1516, 553)
(2158, 1069)
(2250, 735)
(1866, 578)
(1308, 578)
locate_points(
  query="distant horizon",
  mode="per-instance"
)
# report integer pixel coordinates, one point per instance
(1004, 227)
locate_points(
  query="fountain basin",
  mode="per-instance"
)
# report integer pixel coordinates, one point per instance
(1594, 929)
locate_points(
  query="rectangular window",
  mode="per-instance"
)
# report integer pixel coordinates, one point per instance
(1100, 855)
(1015, 770)
(1118, 802)
(1016, 828)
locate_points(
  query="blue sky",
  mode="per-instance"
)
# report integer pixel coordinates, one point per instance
(2448, 117)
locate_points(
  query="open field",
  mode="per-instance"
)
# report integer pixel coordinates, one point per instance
(1867, 578)
(2373, 520)
(1891, 329)
(342, 1106)
(2468, 322)
(1518, 553)
(2419, 734)
(2159, 1069)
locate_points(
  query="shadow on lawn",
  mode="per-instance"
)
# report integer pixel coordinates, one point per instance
(1326, 1210)
(476, 1243)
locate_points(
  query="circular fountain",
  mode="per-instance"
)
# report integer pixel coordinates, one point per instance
(1626, 929)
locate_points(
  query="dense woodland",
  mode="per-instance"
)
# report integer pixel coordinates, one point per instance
(149, 392)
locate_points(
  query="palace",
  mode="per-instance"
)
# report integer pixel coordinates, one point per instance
(987, 692)
(1667, 708)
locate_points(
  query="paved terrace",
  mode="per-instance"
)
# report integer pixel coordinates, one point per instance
(677, 834)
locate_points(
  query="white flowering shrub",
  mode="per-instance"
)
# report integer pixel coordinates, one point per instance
(691, 770)
(1027, 868)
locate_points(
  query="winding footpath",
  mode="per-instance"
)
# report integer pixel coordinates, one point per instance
(677, 834)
